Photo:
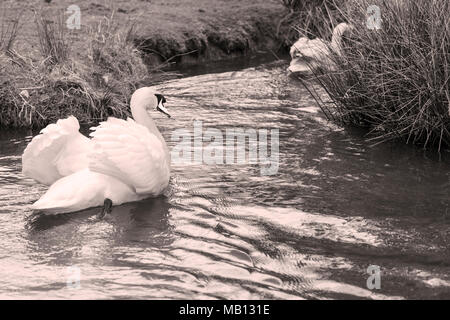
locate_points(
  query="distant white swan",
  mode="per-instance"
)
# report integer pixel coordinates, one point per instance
(307, 54)
(126, 160)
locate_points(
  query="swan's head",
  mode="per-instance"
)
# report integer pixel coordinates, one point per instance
(149, 100)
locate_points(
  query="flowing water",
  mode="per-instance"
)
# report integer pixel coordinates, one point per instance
(335, 207)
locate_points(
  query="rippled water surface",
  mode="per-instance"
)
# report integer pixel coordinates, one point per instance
(335, 207)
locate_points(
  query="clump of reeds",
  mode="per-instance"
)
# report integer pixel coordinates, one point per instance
(119, 66)
(8, 60)
(394, 80)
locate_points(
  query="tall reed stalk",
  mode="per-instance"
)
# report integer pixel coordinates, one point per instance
(8, 30)
(52, 37)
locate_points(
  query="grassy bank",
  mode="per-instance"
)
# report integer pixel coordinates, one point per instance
(48, 71)
(394, 80)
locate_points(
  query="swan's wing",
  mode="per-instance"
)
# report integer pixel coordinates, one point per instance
(59, 150)
(128, 151)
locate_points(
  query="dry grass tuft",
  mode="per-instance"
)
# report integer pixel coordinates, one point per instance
(8, 33)
(52, 38)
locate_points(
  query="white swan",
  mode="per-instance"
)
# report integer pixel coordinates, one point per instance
(126, 160)
(309, 54)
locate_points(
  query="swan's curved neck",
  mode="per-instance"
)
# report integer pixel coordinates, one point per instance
(141, 116)
(336, 42)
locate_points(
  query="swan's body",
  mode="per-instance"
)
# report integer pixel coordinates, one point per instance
(309, 54)
(126, 160)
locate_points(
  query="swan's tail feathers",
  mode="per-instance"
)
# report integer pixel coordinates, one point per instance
(71, 193)
(132, 154)
(59, 150)
(81, 190)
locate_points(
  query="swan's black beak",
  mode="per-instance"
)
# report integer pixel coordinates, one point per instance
(163, 109)
(160, 107)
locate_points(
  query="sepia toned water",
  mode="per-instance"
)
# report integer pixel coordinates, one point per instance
(335, 207)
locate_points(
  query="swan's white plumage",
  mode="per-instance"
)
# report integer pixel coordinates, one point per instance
(131, 153)
(309, 54)
(124, 161)
(58, 151)
(309, 48)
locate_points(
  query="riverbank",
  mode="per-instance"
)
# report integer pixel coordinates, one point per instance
(180, 30)
(49, 71)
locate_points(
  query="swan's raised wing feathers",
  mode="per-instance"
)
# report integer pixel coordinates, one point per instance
(129, 152)
(59, 150)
